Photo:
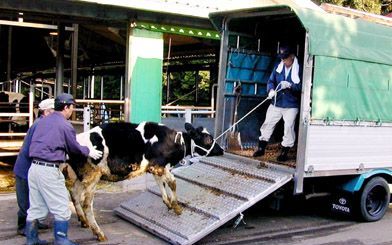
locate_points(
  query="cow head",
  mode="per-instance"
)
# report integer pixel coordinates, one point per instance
(204, 140)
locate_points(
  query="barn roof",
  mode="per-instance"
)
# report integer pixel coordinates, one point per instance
(197, 8)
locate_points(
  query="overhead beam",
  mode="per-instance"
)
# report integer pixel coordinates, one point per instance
(31, 25)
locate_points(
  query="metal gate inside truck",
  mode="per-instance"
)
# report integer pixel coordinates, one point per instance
(212, 191)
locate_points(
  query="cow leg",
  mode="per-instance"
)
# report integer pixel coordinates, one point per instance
(90, 187)
(77, 193)
(141, 170)
(160, 182)
(172, 187)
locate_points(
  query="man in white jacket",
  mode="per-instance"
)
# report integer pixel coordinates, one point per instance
(284, 89)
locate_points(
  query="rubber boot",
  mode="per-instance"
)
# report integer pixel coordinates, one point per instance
(261, 148)
(283, 154)
(32, 234)
(61, 233)
(21, 226)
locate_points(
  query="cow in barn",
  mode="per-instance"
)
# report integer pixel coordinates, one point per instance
(20, 124)
(6, 107)
(14, 103)
(130, 150)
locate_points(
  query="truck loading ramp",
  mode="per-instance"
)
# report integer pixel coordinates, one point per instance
(211, 191)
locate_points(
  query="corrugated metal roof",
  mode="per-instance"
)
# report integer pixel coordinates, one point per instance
(198, 8)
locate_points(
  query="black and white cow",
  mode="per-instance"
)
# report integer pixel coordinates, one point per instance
(130, 150)
(5, 106)
(13, 103)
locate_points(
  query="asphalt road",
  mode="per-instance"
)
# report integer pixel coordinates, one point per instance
(309, 223)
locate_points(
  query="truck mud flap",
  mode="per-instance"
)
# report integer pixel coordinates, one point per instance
(211, 191)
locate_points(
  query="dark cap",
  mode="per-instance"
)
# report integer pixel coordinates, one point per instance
(64, 99)
(284, 52)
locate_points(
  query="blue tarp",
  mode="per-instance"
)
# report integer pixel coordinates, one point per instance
(247, 69)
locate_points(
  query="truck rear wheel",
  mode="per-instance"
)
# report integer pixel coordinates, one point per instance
(374, 199)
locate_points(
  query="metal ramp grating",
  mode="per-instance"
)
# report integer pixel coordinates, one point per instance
(211, 191)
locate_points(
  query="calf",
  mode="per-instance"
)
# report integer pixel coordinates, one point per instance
(130, 150)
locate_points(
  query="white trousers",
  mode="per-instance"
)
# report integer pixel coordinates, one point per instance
(274, 114)
(47, 193)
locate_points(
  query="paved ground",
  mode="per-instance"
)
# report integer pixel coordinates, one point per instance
(109, 197)
(304, 223)
(263, 224)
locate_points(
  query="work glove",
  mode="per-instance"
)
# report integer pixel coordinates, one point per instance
(271, 94)
(285, 84)
(94, 153)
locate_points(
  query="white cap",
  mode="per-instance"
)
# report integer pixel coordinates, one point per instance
(46, 104)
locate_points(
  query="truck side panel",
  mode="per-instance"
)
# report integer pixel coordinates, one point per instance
(337, 148)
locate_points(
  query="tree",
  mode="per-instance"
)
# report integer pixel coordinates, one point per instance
(371, 6)
(386, 7)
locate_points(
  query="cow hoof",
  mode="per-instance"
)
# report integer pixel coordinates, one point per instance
(169, 206)
(102, 238)
(177, 209)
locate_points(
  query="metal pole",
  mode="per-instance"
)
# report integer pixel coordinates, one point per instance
(101, 87)
(31, 103)
(84, 88)
(121, 87)
(42, 88)
(197, 87)
(16, 86)
(220, 103)
(188, 115)
(88, 87)
(60, 59)
(92, 86)
(74, 58)
(121, 96)
(167, 72)
(127, 105)
(9, 53)
(86, 118)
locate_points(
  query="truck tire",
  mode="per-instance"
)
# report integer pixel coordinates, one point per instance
(374, 199)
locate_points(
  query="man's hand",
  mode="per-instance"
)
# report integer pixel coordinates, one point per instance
(285, 84)
(271, 94)
(94, 153)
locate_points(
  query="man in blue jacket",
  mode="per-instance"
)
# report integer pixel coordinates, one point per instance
(21, 168)
(284, 89)
(54, 137)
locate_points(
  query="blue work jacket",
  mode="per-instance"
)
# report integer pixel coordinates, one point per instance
(23, 162)
(286, 98)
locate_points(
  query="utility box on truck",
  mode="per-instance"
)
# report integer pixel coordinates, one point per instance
(344, 130)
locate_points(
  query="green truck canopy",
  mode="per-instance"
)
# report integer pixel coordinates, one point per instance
(343, 37)
(353, 73)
